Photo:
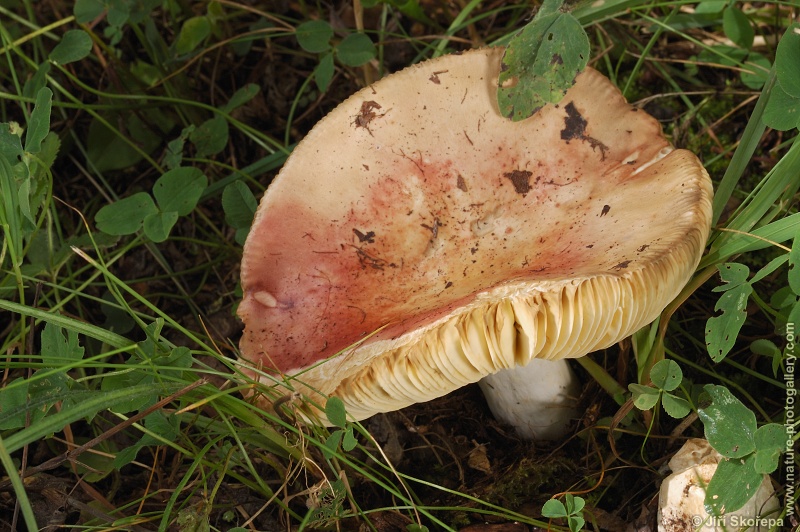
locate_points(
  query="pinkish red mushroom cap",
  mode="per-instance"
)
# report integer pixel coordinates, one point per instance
(470, 243)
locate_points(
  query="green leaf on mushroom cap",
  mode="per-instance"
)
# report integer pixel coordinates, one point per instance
(541, 62)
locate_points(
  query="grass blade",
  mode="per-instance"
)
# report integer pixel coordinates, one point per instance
(19, 487)
(56, 422)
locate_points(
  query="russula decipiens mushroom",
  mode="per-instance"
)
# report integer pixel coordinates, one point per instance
(681, 500)
(470, 243)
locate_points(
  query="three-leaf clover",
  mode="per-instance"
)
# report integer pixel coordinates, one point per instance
(176, 194)
(354, 50)
(666, 376)
(571, 510)
(335, 412)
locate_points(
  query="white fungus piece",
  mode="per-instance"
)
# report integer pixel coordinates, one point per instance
(682, 496)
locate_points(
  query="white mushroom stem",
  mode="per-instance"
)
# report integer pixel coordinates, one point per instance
(538, 399)
(682, 496)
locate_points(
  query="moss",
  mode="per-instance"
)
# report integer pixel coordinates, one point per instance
(530, 479)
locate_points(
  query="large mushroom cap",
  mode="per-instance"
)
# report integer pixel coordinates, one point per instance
(471, 243)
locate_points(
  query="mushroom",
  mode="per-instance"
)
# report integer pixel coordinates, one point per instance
(416, 240)
(682, 496)
(539, 399)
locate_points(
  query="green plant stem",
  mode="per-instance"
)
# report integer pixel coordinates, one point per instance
(114, 283)
(263, 165)
(36, 33)
(749, 141)
(295, 102)
(80, 327)
(606, 381)
(754, 374)
(19, 488)
(722, 379)
(780, 181)
(457, 24)
(645, 52)
(199, 458)
(592, 12)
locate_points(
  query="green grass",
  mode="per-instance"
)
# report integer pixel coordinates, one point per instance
(120, 389)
